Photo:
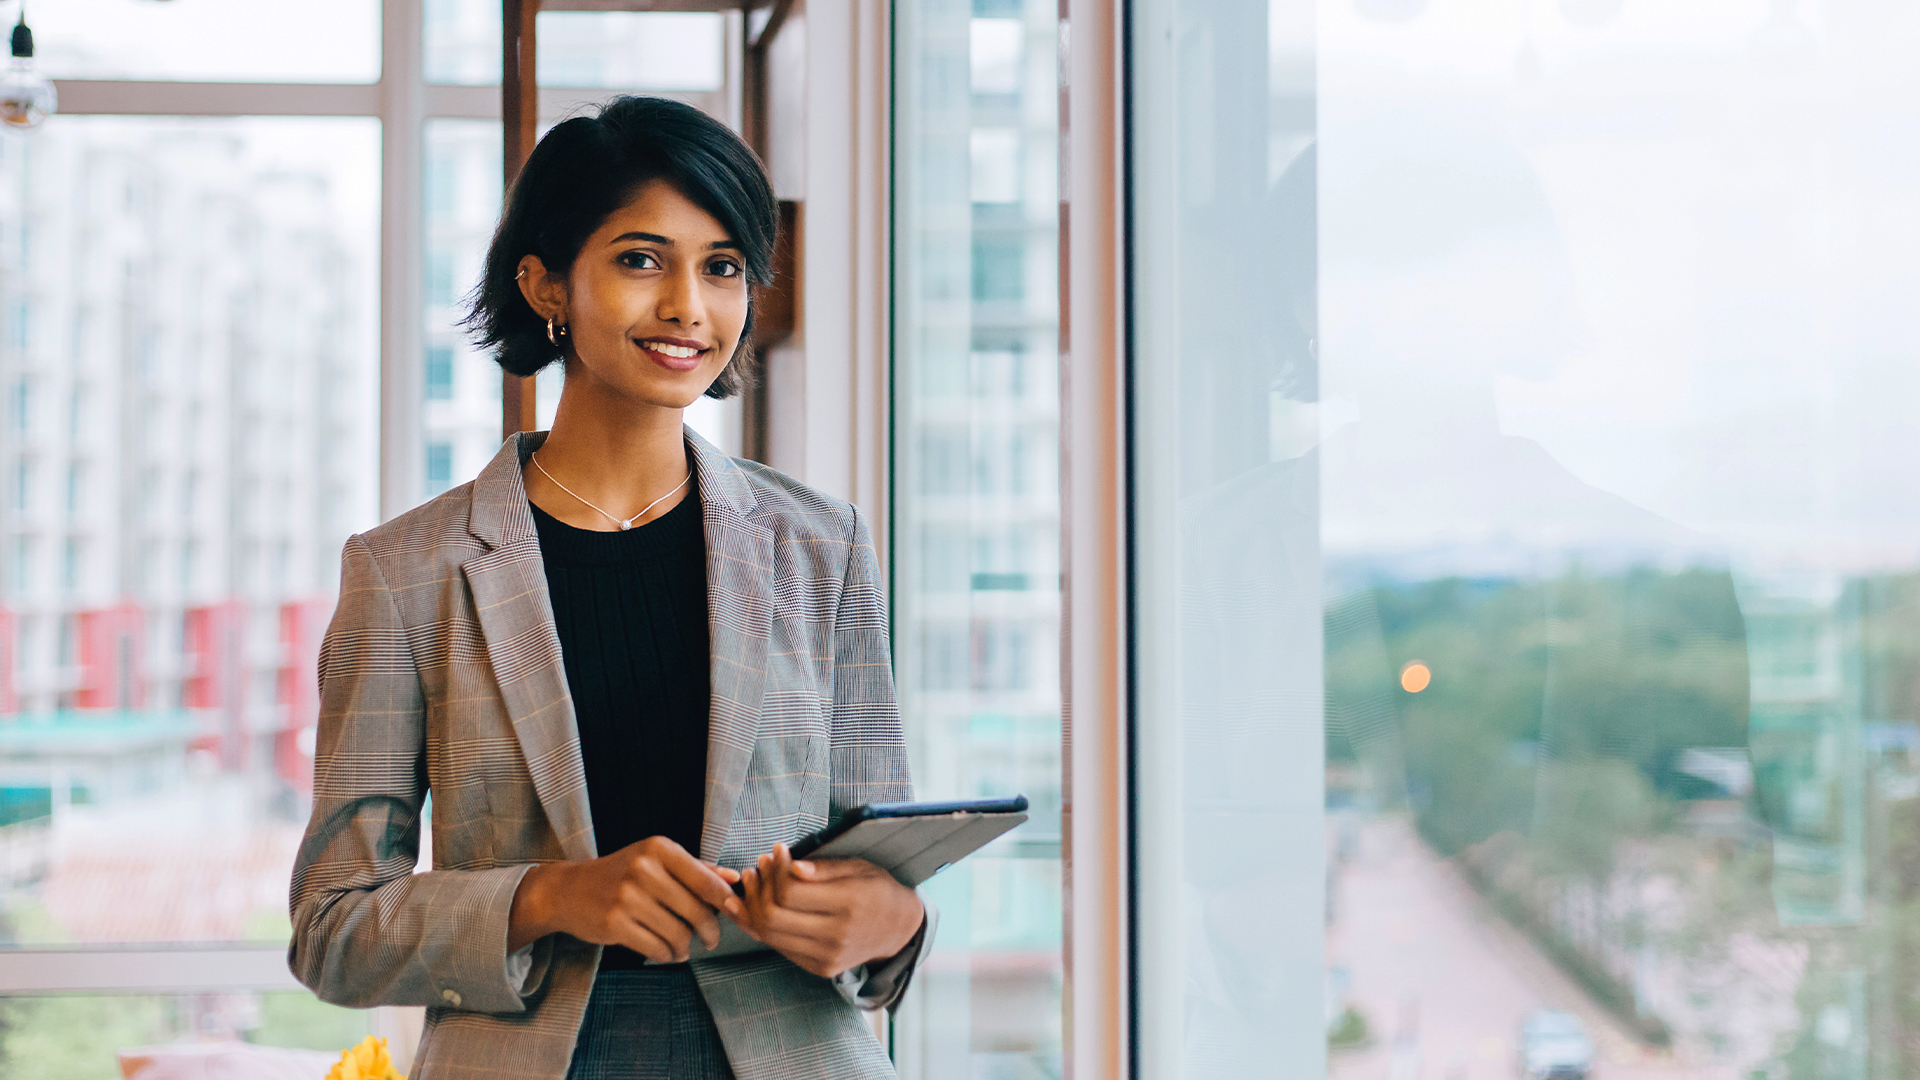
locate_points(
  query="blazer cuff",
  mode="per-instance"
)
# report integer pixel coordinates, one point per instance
(882, 983)
(475, 972)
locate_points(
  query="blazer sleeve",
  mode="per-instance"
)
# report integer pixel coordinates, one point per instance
(869, 748)
(367, 930)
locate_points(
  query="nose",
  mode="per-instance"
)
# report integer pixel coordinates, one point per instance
(679, 299)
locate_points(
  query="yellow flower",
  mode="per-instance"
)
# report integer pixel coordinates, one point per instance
(368, 1061)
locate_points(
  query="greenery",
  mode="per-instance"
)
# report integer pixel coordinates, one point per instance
(1350, 1031)
(74, 1038)
(1614, 675)
(77, 1037)
(1547, 742)
(297, 1019)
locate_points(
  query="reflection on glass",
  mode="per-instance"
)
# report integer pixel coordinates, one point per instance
(618, 50)
(210, 40)
(189, 358)
(1227, 790)
(976, 514)
(1605, 311)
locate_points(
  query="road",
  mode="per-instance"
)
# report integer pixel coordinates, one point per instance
(1444, 984)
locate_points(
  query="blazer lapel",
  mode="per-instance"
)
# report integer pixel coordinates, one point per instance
(509, 587)
(740, 626)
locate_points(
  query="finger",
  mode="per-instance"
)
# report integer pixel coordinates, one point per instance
(782, 873)
(648, 910)
(672, 894)
(815, 942)
(822, 897)
(833, 869)
(803, 926)
(645, 942)
(702, 879)
(727, 874)
(754, 897)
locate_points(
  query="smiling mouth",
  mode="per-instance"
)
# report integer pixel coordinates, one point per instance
(678, 352)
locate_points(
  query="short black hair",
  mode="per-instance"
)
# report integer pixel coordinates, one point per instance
(588, 167)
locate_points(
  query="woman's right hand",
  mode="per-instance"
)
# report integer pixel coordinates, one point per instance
(651, 896)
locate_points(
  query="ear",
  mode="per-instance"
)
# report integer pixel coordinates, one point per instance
(546, 293)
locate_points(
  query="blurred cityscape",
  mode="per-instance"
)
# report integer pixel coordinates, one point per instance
(975, 549)
(188, 372)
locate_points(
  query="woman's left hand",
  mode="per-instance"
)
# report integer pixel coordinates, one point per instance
(828, 915)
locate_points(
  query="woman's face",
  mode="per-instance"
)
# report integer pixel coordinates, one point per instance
(654, 303)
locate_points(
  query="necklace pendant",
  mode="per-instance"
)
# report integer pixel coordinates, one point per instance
(625, 525)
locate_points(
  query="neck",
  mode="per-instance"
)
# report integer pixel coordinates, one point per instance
(620, 460)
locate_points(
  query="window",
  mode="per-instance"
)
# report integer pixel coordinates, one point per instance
(464, 179)
(222, 40)
(976, 526)
(219, 410)
(631, 51)
(439, 467)
(439, 373)
(1523, 598)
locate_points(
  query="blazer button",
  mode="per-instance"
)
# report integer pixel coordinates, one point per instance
(451, 997)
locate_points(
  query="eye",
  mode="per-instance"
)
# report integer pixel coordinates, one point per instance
(638, 260)
(725, 268)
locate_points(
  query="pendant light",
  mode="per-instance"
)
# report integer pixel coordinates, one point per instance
(27, 97)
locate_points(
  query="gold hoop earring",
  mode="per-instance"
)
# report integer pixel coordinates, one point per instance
(554, 334)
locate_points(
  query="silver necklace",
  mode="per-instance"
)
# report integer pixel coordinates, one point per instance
(624, 523)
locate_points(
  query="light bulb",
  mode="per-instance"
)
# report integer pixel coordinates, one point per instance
(27, 97)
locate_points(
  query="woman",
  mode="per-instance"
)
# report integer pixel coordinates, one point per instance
(627, 667)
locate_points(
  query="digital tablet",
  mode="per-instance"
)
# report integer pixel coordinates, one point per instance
(914, 841)
(911, 841)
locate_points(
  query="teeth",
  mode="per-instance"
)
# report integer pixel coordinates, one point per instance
(678, 351)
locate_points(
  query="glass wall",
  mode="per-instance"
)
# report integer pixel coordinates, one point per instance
(462, 181)
(976, 515)
(1227, 789)
(626, 50)
(275, 41)
(1553, 491)
(189, 366)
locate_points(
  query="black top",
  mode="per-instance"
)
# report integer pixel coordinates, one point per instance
(631, 609)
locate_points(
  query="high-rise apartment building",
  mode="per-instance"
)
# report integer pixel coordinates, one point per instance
(188, 439)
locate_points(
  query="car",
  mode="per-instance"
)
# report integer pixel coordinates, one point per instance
(1554, 1046)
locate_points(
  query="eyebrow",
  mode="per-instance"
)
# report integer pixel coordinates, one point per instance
(655, 238)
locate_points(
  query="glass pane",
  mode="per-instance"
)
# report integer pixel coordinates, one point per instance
(93, 1036)
(1231, 896)
(976, 534)
(462, 41)
(462, 393)
(209, 40)
(617, 50)
(632, 50)
(1616, 567)
(189, 370)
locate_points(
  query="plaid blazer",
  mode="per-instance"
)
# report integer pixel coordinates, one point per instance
(442, 672)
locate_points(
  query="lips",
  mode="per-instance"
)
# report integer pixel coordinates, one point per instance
(673, 354)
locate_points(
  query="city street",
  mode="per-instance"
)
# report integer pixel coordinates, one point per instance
(1444, 984)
